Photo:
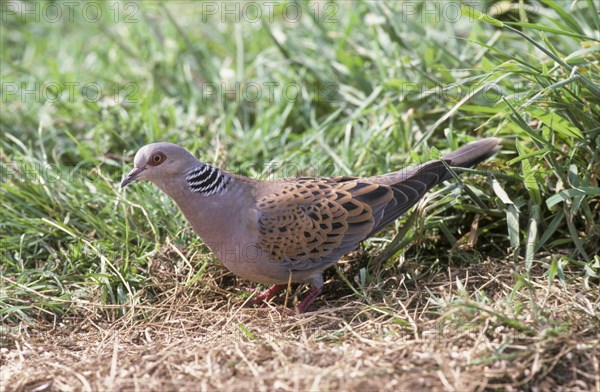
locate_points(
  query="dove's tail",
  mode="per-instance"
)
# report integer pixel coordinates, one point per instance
(471, 154)
(411, 184)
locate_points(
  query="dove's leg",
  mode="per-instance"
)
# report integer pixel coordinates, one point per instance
(317, 286)
(310, 297)
(266, 295)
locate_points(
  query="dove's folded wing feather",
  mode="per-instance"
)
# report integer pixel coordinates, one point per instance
(310, 222)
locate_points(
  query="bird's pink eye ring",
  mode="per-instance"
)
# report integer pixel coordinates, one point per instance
(157, 159)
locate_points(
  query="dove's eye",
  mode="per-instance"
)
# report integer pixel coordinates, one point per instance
(157, 159)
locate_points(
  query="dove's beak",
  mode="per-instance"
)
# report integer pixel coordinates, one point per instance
(133, 175)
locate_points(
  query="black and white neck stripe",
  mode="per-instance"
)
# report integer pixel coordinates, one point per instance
(207, 180)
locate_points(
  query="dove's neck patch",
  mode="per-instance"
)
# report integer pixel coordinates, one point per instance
(207, 180)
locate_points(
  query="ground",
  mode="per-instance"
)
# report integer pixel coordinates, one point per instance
(437, 334)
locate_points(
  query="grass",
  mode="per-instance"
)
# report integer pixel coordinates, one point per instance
(491, 282)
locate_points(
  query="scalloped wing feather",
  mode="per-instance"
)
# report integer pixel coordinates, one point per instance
(307, 221)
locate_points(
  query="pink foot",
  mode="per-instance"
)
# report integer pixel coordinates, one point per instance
(262, 297)
(310, 297)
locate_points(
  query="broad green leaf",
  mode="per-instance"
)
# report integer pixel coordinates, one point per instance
(534, 26)
(568, 194)
(529, 178)
(535, 153)
(520, 121)
(512, 214)
(532, 233)
(556, 122)
(551, 229)
(565, 16)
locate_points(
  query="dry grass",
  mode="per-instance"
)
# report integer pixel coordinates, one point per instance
(434, 335)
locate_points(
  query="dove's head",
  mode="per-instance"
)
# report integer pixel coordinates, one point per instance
(159, 161)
